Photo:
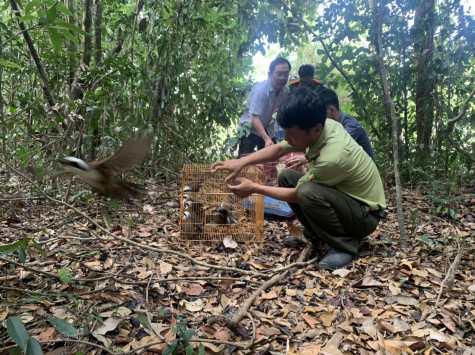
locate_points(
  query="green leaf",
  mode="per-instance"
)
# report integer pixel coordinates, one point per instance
(201, 350)
(143, 320)
(452, 214)
(33, 347)
(187, 334)
(189, 349)
(171, 348)
(51, 14)
(106, 216)
(15, 351)
(168, 350)
(56, 39)
(13, 246)
(64, 9)
(31, 6)
(26, 18)
(21, 255)
(39, 248)
(64, 275)
(64, 327)
(42, 21)
(69, 35)
(64, 24)
(17, 331)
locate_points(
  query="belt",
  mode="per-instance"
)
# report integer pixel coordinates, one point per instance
(381, 214)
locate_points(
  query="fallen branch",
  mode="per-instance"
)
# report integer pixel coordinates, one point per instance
(450, 277)
(233, 322)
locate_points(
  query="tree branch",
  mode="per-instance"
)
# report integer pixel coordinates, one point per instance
(464, 109)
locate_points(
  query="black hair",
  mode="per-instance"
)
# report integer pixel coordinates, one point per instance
(277, 61)
(302, 108)
(329, 98)
(306, 70)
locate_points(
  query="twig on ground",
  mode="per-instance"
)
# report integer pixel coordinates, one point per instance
(450, 277)
(233, 322)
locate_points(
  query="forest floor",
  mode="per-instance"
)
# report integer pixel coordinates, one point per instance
(130, 286)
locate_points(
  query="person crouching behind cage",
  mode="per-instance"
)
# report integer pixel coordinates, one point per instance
(340, 200)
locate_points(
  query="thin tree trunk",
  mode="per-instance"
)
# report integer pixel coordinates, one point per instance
(34, 54)
(77, 91)
(425, 76)
(73, 48)
(138, 8)
(2, 117)
(96, 138)
(98, 33)
(390, 104)
(405, 77)
(87, 40)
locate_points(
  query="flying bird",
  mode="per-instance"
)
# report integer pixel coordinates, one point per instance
(101, 175)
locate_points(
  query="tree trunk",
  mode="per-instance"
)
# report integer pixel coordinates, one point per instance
(394, 124)
(34, 54)
(425, 76)
(87, 25)
(73, 48)
(96, 136)
(98, 33)
(405, 81)
(2, 117)
(77, 90)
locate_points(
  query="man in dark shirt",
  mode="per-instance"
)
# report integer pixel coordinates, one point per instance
(350, 124)
(306, 79)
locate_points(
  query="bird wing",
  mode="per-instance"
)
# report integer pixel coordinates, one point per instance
(127, 157)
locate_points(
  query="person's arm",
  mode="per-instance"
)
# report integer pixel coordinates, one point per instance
(256, 122)
(267, 154)
(243, 187)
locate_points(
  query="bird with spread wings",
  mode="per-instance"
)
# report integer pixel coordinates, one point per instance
(101, 175)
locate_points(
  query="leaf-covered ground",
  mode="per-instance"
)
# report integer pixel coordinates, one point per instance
(136, 288)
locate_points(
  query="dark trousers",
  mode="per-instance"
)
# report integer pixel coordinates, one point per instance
(332, 216)
(247, 144)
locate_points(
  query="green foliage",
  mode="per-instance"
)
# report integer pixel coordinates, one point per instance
(64, 327)
(183, 76)
(183, 335)
(20, 248)
(17, 331)
(65, 275)
(232, 143)
(142, 317)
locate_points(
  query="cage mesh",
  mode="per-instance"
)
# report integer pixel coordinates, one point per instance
(210, 211)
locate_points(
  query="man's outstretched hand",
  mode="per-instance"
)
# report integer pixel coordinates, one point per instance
(242, 187)
(234, 166)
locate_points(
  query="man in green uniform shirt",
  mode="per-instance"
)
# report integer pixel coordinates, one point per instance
(340, 199)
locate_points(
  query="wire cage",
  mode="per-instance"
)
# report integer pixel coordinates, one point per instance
(273, 168)
(210, 211)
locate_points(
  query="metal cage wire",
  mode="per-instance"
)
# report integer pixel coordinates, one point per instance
(210, 211)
